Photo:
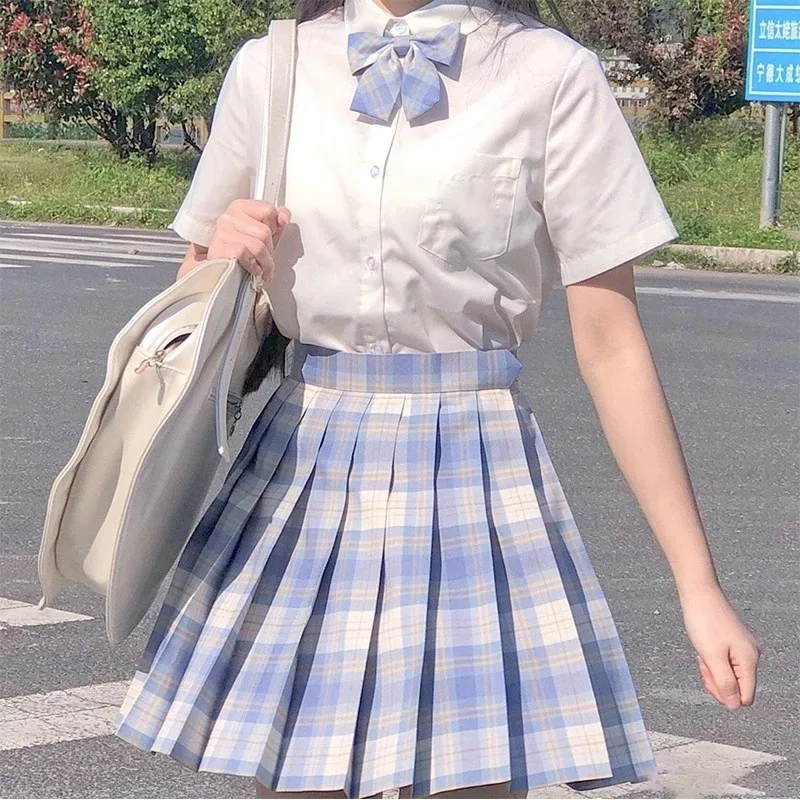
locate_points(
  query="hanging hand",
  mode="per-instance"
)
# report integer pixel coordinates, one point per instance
(727, 653)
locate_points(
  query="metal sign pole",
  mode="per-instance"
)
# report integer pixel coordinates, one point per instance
(773, 78)
(771, 171)
(782, 152)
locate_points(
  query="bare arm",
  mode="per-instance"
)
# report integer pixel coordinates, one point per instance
(616, 364)
(195, 253)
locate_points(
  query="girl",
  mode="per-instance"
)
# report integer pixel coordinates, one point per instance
(389, 592)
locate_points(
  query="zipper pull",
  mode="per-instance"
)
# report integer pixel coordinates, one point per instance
(152, 361)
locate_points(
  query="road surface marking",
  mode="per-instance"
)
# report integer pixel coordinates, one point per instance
(81, 261)
(141, 254)
(160, 238)
(687, 767)
(93, 242)
(706, 294)
(14, 614)
(63, 716)
(26, 250)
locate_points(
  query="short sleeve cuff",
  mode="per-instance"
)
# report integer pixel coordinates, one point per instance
(633, 246)
(190, 229)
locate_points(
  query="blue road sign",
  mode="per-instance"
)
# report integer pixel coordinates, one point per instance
(773, 52)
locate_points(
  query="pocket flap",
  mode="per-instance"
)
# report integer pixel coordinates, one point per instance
(480, 165)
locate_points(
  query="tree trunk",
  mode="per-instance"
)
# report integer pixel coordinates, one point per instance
(137, 130)
(794, 118)
(121, 141)
(112, 126)
(188, 139)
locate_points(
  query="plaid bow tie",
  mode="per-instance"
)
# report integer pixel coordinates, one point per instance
(400, 66)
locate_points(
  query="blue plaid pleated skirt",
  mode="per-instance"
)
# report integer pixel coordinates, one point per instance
(390, 589)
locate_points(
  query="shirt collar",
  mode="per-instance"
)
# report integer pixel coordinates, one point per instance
(368, 17)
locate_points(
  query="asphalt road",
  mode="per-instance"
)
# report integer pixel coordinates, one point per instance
(728, 352)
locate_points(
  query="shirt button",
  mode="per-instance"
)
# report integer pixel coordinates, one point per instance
(375, 171)
(371, 262)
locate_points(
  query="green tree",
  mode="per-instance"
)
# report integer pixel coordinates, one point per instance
(43, 52)
(121, 65)
(692, 51)
(224, 26)
(165, 58)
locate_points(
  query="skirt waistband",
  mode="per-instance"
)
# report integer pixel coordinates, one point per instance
(458, 371)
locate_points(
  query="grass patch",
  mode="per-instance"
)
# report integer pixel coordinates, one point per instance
(789, 265)
(710, 179)
(58, 183)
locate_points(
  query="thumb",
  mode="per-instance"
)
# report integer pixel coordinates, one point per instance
(719, 672)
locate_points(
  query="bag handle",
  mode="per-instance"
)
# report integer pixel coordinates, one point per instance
(282, 41)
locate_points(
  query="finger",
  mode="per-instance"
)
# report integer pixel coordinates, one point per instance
(252, 228)
(243, 255)
(708, 681)
(284, 216)
(260, 211)
(261, 252)
(724, 679)
(745, 668)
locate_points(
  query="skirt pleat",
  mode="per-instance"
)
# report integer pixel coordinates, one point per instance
(331, 657)
(468, 714)
(629, 751)
(210, 591)
(561, 734)
(393, 710)
(262, 663)
(390, 589)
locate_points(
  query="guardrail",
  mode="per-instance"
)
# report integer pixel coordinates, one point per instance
(8, 114)
(11, 112)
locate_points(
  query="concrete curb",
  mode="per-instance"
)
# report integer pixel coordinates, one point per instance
(733, 256)
(14, 201)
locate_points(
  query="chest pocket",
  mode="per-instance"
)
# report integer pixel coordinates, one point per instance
(469, 211)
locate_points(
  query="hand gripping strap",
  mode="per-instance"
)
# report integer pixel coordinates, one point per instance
(282, 41)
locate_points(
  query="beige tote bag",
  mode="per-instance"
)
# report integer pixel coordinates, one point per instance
(123, 507)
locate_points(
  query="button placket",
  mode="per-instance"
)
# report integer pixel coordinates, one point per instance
(372, 324)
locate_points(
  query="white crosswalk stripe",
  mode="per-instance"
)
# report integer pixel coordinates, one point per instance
(64, 716)
(15, 614)
(30, 247)
(706, 294)
(687, 767)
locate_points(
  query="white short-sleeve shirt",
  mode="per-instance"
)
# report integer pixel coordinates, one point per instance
(448, 232)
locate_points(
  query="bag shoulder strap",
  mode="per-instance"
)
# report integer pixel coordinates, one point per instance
(282, 40)
(269, 186)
